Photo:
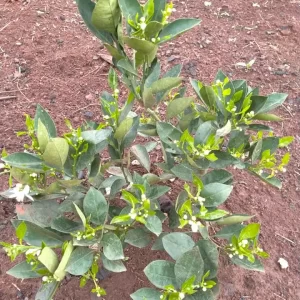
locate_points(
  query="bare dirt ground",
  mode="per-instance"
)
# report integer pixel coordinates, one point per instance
(47, 56)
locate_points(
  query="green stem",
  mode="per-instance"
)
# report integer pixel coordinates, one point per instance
(153, 114)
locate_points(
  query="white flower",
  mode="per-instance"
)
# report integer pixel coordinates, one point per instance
(144, 197)
(2, 166)
(34, 175)
(185, 217)
(143, 26)
(153, 40)
(133, 215)
(195, 226)
(45, 278)
(206, 152)
(143, 19)
(201, 200)
(241, 256)
(204, 289)
(20, 194)
(230, 255)
(283, 263)
(181, 295)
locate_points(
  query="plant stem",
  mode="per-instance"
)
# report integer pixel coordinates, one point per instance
(153, 114)
(125, 176)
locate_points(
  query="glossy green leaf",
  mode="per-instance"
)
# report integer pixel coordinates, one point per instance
(187, 265)
(47, 291)
(64, 225)
(201, 295)
(56, 152)
(42, 115)
(49, 259)
(153, 223)
(221, 176)
(183, 171)
(24, 270)
(80, 261)
(256, 151)
(210, 255)
(233, 219)
(24, 160)
(146, 293)
(113, 52)
(228, 231)
(177, 106)
(267, 117)
(141, 154)
(142, 46)
(138, 238)
(273, 101)
(42, 135)
(246, 264)
(208, 96)
(224, 160)
(112, 246)
(130, 8)
(96, 136)
(152, 29)
(215, 193)
(161, 273)
(95, 206)
(176, 28)
(115, 266)
(21, 231)
(86, 8)
(250, 231)
(165, 84)
(35, 235)
(106, 15)
(126, 65)
(204, 131)
(177, 243)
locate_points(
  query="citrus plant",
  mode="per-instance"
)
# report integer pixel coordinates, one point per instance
(79, 212)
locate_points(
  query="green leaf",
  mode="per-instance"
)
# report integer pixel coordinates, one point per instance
(152, 29)
(273, 101)
(161, 273)
(285, 141)
(106, 15)
(115, 266)
(204, 131)
(64, 225)
(176, 28)
(49, 259)
(165, 84)
(145, 293)
(256, 151)
(24, 270)
(159, 7)
(177, 243)
(113, 52)
(86, 8)
(56, 152)
(141, 46)
(60, 272)
(130, 8)
(158, 245)
(141, 154)
(187, 265)
(215, 193)
(95, 206)
(127, 131)
(233, 219)
(126, 65)
(229, 231)
(21, 231)
(80, 214)
(42, 115)
(246, 264)
(201, 295)
(112, 246)
(96, 136)
(35, 235)
(250, 231)
(208, 96)
(177, 106)
(210, 255)
(42, 135)
(80, 261)
(224, 160)
(153, 223)
(267, 117)
(221, 176)
(25, 161)
(183, 171)
(47, 291)
(138, 237)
